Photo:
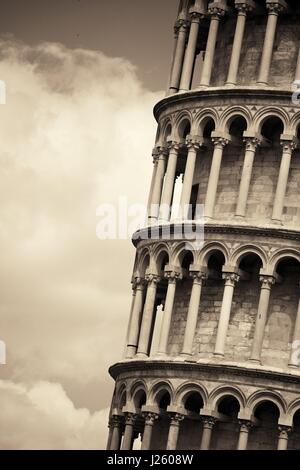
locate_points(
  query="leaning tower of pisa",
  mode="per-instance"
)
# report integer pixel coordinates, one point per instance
(213, 344)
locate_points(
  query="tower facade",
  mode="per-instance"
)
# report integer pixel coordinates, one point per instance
(213, 343)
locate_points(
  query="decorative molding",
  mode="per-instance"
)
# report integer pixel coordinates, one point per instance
(215, 369)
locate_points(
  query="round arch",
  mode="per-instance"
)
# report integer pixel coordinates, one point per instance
(224, 391)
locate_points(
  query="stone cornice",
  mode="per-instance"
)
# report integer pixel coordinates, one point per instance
(198, 96)
(272, 232)
(234, 370)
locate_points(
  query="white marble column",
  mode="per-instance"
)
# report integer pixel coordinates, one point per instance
(190, 53)
(245, 427)
(243, 7)
(116, 423)
(288, 146)
(251, 146)
(168, 189)
(274, 9)
(219, 145)
(261, 317)
(173, 276)
(231, 279)
(283, 437)
(208, 425)
(148, 313)
(215, 12)
(295, 356)
(182, 27)
(135, 322)
(176, 419)
(150, 419)
(155, 164)
(161, 156)
(128, 433)
(193, 311)
(110, 433)
(193, 144)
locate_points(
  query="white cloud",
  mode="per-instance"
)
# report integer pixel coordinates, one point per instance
(77, 130)
(43, 417)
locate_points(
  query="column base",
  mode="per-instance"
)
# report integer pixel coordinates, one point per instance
(172, 91)
(277, 221)
(218, 354)
(293, 366)
(141, 355)
(161, 355)
(255, 361)
(230, 85)
(239, 217)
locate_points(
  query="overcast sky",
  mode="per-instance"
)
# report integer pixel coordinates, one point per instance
(77, 128)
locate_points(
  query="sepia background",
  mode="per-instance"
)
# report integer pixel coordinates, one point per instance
(77, 130)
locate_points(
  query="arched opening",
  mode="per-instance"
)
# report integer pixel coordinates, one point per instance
(231, 169)
(144, 265)
(283, 308)
(139, 400)
(264, 436)
(162, 261)
(161, 426)
(294, 438)
(184, 128)
(210, 305)
(265, 171)
(236, 128)
(191, 427)
(208, 127)
(187, 260)
(167, 133)
(244, 308)
(122, 401)
(226, 431)
(272, 129)
(202, 168)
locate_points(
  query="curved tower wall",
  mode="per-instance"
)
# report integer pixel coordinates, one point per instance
(212, 357)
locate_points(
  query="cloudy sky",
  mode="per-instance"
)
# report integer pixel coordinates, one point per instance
(81, 77)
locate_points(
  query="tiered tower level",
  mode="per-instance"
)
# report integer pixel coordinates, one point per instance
(212, 357)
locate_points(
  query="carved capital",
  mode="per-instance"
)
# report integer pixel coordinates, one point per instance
(216, 10)
(288, 146)
(150, 418)
(220, 141)
(173, 276)
(130, 419)
(244, 7)
(208, 421)
(138, 283)
(196, 16)
(266, 282)
(181, 25)
(245, 426)
(176, 419)
(198, 277)
(230, 279)
(284, 431)
(152, 278)
(116, 421)
(252, 143)
(173, 146)
(193, 142)
(274, 8)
